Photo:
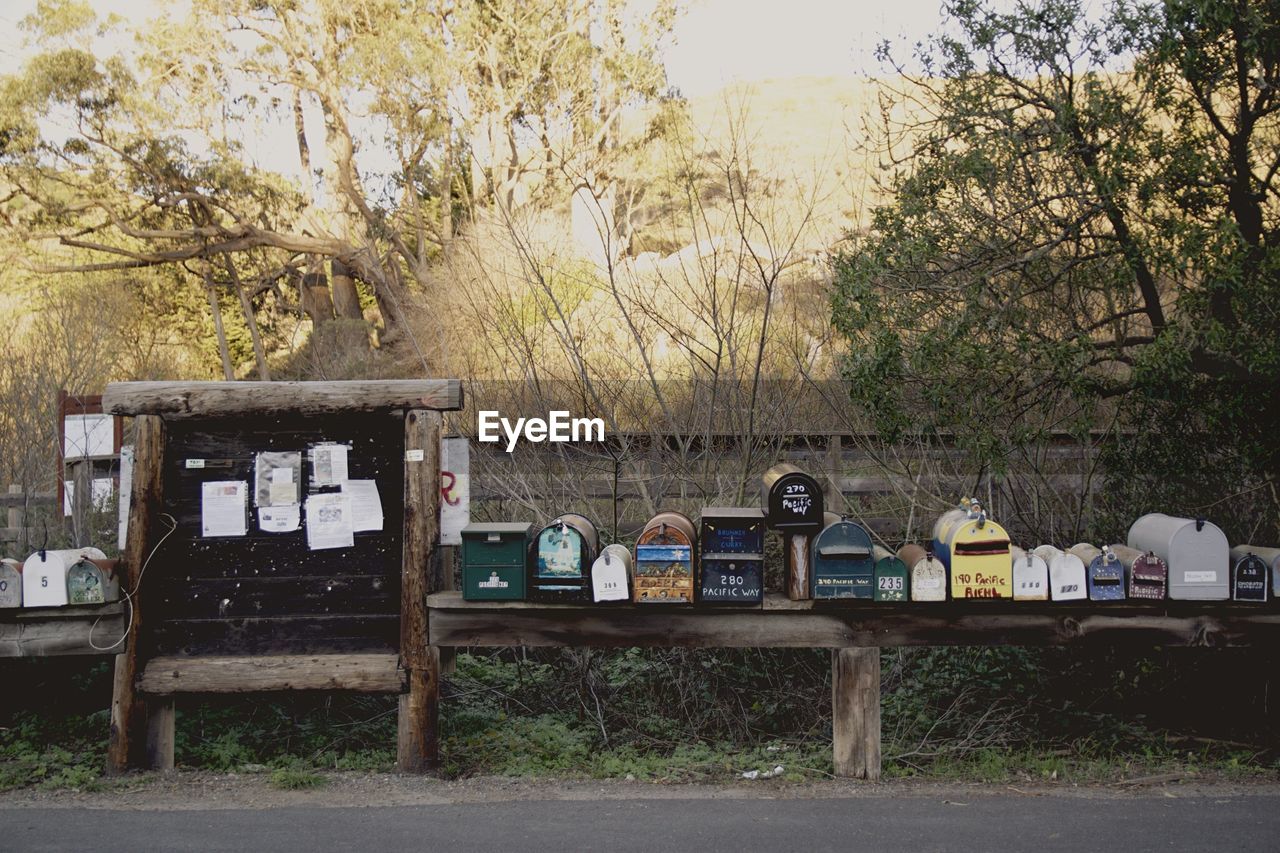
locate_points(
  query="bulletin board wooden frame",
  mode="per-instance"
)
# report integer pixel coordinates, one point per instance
(142, 707)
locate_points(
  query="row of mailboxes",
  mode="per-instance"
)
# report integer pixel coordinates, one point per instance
(56, 578)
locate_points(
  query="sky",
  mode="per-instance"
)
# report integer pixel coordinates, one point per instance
(716, 41)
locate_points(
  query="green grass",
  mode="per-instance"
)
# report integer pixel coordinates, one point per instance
(296, 779)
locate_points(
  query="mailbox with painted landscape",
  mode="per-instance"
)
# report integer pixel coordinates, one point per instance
(1104, 573)
(86, 583)
(843, 562)
(928, 575)
(1269, 555)
(562, 555)
(1195, 550)
(1067, 580)
(10, 583)
(1030, 576)
(1148, 574)
(731, 563)
(494, 559)
(975, 551)
(664, 560)
(792, 500)
(1248, 576)
(892, 583)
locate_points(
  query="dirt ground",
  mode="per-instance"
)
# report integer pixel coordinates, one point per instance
(198, 791)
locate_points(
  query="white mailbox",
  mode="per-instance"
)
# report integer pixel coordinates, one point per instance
(1066, 574)
(609, 574)
(1030, 576)
(1195, 550)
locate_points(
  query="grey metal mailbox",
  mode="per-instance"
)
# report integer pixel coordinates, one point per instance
(1195, 550)
(10, 583)
(1030, 575)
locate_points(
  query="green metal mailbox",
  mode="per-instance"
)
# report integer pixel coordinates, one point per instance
(494, 555)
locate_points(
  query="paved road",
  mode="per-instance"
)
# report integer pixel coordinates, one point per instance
(909, 824)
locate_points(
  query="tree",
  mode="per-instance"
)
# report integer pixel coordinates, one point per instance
(1084, 232)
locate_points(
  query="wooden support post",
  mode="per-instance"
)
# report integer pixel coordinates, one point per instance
(855, 709)
(128, 718)
(15, 513)
(418, 745)
(799, 565)
(160, 732)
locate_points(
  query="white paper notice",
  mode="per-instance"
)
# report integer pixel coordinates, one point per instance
(101, 491)
(222, 508)
(329, 522)
(88, 435)
(279, 519)
(366, 505)
(328, 465)
(126, 489)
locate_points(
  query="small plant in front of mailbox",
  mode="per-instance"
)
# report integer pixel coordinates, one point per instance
(844, 564)
(1248, 577)
(1030, 576)
(664, 560)
(975, 551)
(561, 567)
(1104, 573)
(1067, 580)
(928, 575)
(731, 558)
(494, 556)
(1195, 550)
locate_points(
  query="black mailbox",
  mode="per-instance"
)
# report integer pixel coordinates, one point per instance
(1248, 577)
(792, 500)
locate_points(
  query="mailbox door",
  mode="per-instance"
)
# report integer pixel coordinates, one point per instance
(1249, 579)
(44, 580)
(1148, 578)
(732, 530)
(493, 583)
(891, 579)
(1106, 579)
(1030, 578)
(10, 584)
(981, 565)
(843, 566)
(793, 501)
(609, 574)
(559, 568)
(731, 579)
(929, 580)
(494, 557)
(664, 566)
(85, 584)
(1067, 578)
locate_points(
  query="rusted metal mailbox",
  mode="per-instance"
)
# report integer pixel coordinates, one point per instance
(1148, 574)
(976, 552)
(1066, 574)
(1104, 573)
(731, 563)
(1030, 576)
(610, 574)
(664, 560)
(562, 556)
(793, 506)
(843, 563)
(494, 559)
(892, 583)
(1269, 555)
(1249, 574)
(1195, 550)
(10, 583)
(928, 575)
